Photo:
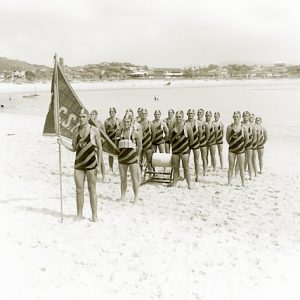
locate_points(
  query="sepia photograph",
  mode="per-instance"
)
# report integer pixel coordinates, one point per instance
(150, 150)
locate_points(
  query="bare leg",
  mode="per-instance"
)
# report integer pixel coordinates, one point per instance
(236, 168)
(161, 148)
(123, 175)
(187, 176)
(212, 149)
(102, 169)
(248, 162)
(196, 163)
(204, 160)
(241, 162)
(231, 161)
(111, 162)
(92, 179)
(175, 164)
(167, 146)
(254, 156)
(134, 171)
(220, 151)
(260, 153)
(79, 176)
(154, 148)
(148, 154)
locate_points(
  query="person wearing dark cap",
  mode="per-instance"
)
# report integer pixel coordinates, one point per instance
(87, 144)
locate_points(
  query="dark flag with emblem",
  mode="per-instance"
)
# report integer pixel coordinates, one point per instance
(68, 107)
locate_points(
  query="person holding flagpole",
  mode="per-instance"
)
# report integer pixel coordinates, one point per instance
(87, 144)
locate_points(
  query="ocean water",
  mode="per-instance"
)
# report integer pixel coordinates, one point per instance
(276, 101)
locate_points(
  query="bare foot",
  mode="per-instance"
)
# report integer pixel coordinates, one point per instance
(94, 218)
(78, 218)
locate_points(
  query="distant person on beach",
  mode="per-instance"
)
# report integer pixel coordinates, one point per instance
(211, 138)
(87, 144)
(170, 120)
(237, 138)
(111, 125)
(146, 139)
(195, 144)
(130, 145)
(181, 138)
(262, 137)
(219, 136)
(94, 117)
(159, 130)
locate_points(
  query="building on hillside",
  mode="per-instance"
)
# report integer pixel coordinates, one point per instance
(168, 72)
(138, 74)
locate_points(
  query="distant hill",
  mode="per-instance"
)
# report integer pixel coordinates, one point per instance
(17, 65)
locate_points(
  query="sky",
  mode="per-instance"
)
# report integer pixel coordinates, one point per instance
(165, 33)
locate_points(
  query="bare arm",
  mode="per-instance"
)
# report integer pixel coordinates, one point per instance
(265, 135)
(99, 147)
(228, 134)
(166, 129)
(190, 134)
(138, 140)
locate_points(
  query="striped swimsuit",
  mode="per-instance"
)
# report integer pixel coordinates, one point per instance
(111, 131)
(219, 134)
(203, 139)
(128, 153)
(249, 145)
(180, 143)
(147, 144)
(86, 158)
(260, 139)
(196, 143)
(159, 135)
(211, 139)
(237, 141)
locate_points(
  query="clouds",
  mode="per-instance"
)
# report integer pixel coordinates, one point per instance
(157, 33)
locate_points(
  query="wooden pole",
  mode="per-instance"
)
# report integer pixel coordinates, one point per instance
(57, 123)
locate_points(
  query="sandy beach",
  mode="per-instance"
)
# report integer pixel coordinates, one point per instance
(211, 242)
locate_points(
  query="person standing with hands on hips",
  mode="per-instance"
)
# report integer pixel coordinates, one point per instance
(86, 143)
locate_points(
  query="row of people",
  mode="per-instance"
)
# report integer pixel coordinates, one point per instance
(135, 136)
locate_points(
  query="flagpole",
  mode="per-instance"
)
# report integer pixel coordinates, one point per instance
(56, 108)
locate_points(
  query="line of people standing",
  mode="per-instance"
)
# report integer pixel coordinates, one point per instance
(137, 139)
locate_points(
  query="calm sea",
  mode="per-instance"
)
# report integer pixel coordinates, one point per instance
(276, 101)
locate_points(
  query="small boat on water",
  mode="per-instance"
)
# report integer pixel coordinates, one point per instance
(31, 95)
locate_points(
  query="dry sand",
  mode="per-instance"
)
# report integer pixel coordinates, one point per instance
(213, 242)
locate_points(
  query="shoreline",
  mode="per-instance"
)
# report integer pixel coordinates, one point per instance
(10, 87)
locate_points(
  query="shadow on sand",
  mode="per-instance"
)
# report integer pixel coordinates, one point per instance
(45, 211)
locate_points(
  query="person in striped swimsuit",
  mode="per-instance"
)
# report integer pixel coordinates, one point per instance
(87, 144)
(219, 136)
(181, 137)
(248, 147)
(159, 131)
(211, 138)
(170, 120)
(146, 139)
(130, 145)
(237, 138)
(203, 133)
(94, 121)
(112, 124)
(262, 137)
(195, 145)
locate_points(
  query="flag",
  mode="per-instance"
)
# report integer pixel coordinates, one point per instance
(68, 111)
